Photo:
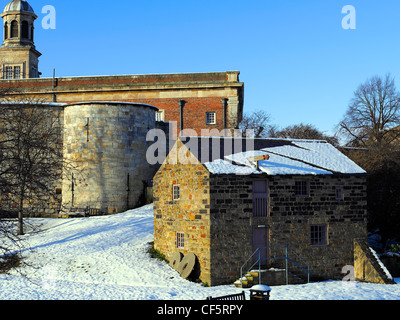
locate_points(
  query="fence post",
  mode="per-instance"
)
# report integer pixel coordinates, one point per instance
(286, 268)
(259, 266)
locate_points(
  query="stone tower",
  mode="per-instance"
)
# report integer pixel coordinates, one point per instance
(107, 143)
(19, 58)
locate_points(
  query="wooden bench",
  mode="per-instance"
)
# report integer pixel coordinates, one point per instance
(238, 296)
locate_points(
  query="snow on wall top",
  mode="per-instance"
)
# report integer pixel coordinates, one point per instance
(301, 157)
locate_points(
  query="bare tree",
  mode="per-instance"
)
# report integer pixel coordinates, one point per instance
(373, 114)
(257, 121)
(31, 159)
(304, 131)
(371, 130)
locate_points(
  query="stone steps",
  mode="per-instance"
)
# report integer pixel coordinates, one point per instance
(268, 277)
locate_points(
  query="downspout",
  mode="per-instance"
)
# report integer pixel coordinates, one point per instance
(181, 104)
(225, 107)
(54, 85)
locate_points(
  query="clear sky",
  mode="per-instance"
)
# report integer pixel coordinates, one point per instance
(295, 59)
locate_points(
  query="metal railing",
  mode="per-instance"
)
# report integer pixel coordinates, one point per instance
(258, 261)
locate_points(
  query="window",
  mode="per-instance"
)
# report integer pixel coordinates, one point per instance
(176, 192)
(17, 72)
(339, 194)
(301, 188)
(210, 118)
(160, 115)
(8, 73)
(25, 30)
(260, 198)
(180, 240)
(318, 235)
(14, 29)
(5, 31)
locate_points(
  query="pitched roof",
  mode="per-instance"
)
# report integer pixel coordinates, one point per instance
(221, 155)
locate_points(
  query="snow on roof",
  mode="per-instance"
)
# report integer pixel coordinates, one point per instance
(301, 157)
(221, 166)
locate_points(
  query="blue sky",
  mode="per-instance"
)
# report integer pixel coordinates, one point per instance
(296, 61)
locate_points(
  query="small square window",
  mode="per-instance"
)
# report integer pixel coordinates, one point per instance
(339, 194)
(318, 235)
(176, 192)
(301, 188)
(210, 118)
(180, 240)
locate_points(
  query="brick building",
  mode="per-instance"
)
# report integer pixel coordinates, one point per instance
(223, 208)
(212, 100)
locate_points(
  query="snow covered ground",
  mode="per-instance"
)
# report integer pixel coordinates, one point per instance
(104, 258)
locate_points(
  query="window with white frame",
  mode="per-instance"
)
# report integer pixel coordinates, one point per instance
(318, 235)
(176, 192)
(210, 118)
(160, 115)
(8, 73)
(180, 240)
(17, 72)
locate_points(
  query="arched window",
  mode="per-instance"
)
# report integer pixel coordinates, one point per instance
(14, 29)
(32, 33)
(25, 30)
(5, 31)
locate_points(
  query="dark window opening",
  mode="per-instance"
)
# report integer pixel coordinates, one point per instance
(301, 188)
(318, 235)
(14, 29)
(25, 30)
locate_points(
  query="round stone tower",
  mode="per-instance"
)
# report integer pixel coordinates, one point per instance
(106, 141)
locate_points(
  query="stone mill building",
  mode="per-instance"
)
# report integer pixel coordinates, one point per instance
(296, 205)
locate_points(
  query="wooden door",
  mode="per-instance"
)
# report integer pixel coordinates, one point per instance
(261, 241)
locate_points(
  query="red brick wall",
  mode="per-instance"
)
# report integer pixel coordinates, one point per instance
(194, 112)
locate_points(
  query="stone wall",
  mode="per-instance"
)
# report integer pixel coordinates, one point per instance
(291, 217)
(231, 230)
(288, 221)
(189, 215)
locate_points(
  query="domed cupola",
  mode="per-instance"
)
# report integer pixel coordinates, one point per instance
(18, 55)
(18, 18)
(18, 5)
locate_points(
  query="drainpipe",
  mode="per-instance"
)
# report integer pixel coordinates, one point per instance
(181, 104)
(225, 107)
(54, 85)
